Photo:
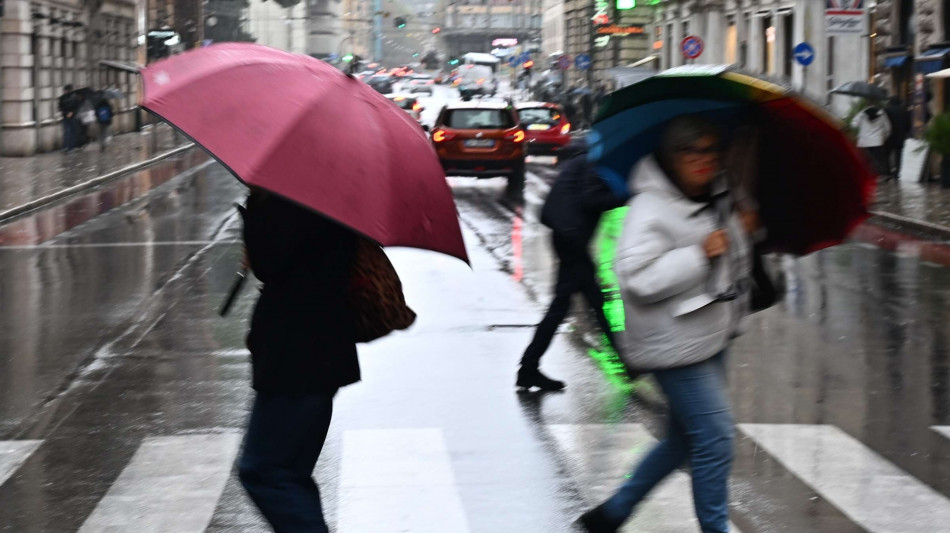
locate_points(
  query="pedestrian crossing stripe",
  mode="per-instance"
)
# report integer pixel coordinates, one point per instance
(398, 480)
(600, 458)
(13, 453)
(171, 484)
(864, 486)
(943, 430)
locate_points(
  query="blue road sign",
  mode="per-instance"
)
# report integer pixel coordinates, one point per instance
(692, 47)
(804, 54)
(564, 62)
(514, 61)
(582, 62)
(525, 56)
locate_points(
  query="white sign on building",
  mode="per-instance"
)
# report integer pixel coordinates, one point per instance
(845, 17)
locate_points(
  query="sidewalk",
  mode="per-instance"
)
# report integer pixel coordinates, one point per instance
(25, 179)
(921, 202)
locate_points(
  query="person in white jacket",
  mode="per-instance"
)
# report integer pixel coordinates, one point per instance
(874, 129)
(683, 262)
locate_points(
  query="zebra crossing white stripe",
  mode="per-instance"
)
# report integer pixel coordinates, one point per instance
(171, 484)
(13, 453)
(398, 480)
(867, 488)
(943, 430)
(600, 456)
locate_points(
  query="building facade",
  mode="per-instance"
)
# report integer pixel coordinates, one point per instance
(274, 25)
(474, 25)
(612, 34)
(357, 24)
(553, 38)
(47, 45)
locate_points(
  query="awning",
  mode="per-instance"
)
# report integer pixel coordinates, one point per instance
(896, 61)
(125, 66)
(932, 60)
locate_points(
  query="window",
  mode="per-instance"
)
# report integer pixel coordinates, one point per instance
(479, 119)
(539, 115)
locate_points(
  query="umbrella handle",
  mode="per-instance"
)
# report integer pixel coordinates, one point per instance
(239, 278)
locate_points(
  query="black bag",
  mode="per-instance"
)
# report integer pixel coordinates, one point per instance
(764, 293)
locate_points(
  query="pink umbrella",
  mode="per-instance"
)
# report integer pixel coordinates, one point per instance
(302, 129)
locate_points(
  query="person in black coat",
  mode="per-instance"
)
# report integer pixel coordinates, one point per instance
(69, 107)
(572, 210)
(302, 351)
(900, 130)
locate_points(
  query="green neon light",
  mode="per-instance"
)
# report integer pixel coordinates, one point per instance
(626, 4)
(608, 235)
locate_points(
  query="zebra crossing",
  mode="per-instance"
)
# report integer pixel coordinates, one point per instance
(174, 483)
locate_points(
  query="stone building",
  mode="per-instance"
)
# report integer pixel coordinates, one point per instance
(45, 45)
(473, 25)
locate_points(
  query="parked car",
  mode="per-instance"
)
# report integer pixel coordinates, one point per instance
(481, 139)
(382, 83)
(408, 103)
(419, 83)
(546, 127)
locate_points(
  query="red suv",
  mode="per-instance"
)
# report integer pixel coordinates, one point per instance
(546, 127)
(481, 138)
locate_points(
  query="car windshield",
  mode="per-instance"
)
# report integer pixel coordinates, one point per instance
(539, 115)
(479, 119)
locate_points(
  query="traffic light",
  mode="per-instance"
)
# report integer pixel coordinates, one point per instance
(434, 30)
(453, 61)
(399, 22)
(528, 64)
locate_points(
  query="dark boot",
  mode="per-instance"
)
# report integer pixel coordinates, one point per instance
(594, 521)
(532, 377)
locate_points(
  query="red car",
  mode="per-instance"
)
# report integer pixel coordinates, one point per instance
(546, 127)
(481, 138)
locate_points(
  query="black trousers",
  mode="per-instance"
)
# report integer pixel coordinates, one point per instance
(576, 274)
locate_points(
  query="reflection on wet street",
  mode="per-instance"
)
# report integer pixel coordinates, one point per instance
(115, 371)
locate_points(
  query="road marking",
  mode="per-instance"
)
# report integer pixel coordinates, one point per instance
(399, 480)
(13, 453)
(601, 456)
(867, 488)
(943, 430)
(171, 484)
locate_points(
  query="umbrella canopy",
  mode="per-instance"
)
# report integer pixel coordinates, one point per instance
(300, 128)
(862, 90)
(812, 184)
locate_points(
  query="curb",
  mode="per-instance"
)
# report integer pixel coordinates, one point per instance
(45, 201)
(917, 228)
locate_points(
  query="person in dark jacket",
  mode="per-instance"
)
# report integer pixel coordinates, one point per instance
(69, 107)
(900, 130)
(104, 112)
(302, 351)
(572, 210)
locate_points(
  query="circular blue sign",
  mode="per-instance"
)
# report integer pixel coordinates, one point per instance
(582, 62)
(564, 62)
(804, 54)
(692, 47)
(525, 56)
(514, 61)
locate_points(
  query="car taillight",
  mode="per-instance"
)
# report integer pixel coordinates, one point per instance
(417, 107)
(565, 129)
(516, 136)
(442, 135)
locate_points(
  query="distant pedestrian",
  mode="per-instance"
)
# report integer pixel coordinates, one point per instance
(899, 116)
(104, 114)
(681, 263)
(69, 107)
(572, 210)
(874, 128)
(302, 351)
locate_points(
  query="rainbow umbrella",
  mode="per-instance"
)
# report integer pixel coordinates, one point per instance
(812, 184)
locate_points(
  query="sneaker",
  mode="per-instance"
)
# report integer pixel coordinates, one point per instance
(528, 378)
(594, 521)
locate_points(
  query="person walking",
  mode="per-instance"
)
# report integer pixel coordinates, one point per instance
(681, 262)
(899, 118)
(69, 107)
(874, 128)
(572, 211)
(104, 114)
(302, 351)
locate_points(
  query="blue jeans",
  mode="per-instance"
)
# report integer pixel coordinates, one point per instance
(700, 432)
(284, 439)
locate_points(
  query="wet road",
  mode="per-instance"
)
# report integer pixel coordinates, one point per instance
(123, 395)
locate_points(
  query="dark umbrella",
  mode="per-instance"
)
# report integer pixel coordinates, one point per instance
(862, 90)
(811, 183)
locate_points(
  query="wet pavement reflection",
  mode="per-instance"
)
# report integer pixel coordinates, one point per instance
(109, 338)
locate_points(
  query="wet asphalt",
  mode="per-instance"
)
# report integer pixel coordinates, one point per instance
(109, 337)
